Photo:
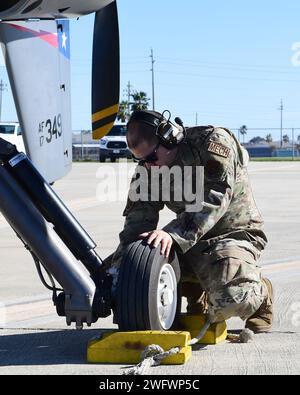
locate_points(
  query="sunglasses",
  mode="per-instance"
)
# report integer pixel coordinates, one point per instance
(151, 158)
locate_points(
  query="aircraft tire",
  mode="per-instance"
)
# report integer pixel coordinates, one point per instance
(148, 295)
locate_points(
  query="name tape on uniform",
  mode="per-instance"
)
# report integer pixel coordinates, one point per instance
(219, 149)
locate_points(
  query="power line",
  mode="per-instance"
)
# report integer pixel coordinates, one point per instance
(214, 76)
(226, 77)
(222, 64)
(249, 69)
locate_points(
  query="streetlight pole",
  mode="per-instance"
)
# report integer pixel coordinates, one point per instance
(82, 153)
(293, 138)
(129, 86)
(153, 79)
(281, 108)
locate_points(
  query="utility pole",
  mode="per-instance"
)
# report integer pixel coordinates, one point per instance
(281, 108)
(129, 90)
(83, 133)
(196, 119)
(153, 79)
(82, 150)
(293, 137)
(3, 88)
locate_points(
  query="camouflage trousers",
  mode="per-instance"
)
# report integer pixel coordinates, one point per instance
(229, 274)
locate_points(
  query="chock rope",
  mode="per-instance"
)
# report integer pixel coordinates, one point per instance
(153, 355)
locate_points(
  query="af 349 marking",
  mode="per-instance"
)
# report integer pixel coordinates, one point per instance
(50, 130)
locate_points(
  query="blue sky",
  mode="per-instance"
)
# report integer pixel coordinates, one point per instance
(230, 62)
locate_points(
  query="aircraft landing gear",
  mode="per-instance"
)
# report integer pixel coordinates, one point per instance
(148, 291)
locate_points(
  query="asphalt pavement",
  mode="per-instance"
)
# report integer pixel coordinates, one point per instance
(33, 340)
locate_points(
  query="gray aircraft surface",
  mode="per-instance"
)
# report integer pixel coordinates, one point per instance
(36, 44)
(35, 38)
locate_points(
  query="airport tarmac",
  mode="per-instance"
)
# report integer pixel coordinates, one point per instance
(34, 341)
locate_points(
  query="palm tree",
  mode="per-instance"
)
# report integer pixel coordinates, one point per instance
(123, 112)
(243, 131)
(257, 140)
(140, 101)
(286, 139)
(269, 138)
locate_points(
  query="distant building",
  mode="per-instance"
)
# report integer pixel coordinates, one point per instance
(259, 151)
(272, 150)
(85, 137)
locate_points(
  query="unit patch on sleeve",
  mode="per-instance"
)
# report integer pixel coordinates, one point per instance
(219, 149)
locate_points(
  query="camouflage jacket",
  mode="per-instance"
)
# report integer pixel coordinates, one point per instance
(229, 209)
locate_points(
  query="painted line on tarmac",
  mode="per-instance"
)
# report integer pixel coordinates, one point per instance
(283, 268)
(27, 300)
(32, 323)
(280, 261)
(27, 314)
(36, 311)
(73, 205)
(274, 171)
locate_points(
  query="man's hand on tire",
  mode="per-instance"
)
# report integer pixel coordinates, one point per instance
(158, 237)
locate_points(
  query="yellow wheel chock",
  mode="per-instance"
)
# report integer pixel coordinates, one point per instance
(216, 334)
(126, 347)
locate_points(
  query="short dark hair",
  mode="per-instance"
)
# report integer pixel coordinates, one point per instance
(151, 118)
(138, 132)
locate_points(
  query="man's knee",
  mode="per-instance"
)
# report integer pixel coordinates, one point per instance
(231, 300)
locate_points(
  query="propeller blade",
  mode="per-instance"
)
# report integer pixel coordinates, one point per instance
(106, 71)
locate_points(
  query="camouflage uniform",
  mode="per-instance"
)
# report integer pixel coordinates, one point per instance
(218, 247)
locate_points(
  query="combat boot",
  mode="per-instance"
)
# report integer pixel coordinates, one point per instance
(262, 320)
(197, 298)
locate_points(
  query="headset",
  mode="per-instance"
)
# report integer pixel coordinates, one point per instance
(169, 134)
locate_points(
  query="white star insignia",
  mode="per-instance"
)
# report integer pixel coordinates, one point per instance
(64, 41)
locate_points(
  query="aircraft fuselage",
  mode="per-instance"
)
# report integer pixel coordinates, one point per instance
(48, 9)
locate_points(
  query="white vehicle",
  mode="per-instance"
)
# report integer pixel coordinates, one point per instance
(11, 132)
(114, 145)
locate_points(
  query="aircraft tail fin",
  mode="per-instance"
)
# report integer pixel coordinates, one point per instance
(37, 57)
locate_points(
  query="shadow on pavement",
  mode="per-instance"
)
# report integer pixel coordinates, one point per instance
(45, 348)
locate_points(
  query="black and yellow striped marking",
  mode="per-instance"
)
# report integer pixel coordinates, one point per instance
(103, 121)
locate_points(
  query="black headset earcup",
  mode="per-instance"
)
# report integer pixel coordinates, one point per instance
(166, 135)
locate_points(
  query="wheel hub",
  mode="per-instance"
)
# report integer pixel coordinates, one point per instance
(167, 296)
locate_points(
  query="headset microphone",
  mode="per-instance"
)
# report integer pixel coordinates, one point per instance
(179, 122)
